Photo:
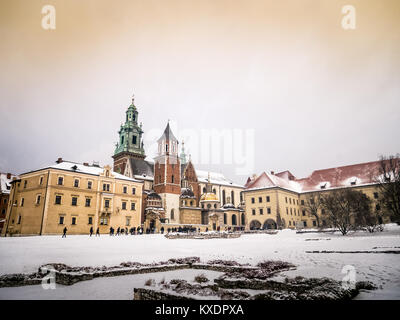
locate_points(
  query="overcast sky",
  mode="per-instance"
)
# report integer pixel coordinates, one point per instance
(312, 94)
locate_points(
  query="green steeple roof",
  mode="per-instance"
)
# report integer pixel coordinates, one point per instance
(130, 133)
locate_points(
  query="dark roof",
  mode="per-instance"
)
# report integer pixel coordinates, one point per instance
(167, 135)
(153, 195)
(141, 167)
(187, 193)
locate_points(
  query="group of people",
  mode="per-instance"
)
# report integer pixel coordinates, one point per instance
(121, 231)
(140, 230)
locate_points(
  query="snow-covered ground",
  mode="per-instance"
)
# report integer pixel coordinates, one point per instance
(26, 254)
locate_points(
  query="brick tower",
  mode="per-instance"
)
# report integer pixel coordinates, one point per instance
(167, 174)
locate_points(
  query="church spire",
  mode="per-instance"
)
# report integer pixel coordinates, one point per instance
(183, 155)
(130, 133)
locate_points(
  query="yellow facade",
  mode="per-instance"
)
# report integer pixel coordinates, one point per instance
(263, 205)
(48, 200)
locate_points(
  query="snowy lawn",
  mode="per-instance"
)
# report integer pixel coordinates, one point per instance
(26, 254)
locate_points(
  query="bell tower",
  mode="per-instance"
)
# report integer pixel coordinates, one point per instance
(130, 142)
(167, 174)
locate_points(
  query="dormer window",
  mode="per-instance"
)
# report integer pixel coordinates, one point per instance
(353, 183)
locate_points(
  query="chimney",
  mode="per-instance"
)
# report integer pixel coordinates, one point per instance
(8, 176)
(272, 172)
(86, 164)
(59, 160)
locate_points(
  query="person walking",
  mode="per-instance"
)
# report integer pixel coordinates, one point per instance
(118, 231)
(64, 232)
(91, 231)
(98, 232)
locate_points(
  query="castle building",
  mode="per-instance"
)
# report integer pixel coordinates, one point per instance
(75, 196)
(279, 200)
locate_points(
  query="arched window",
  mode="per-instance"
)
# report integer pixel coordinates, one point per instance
(225, 218)
(172, 214)
(204, 190)
(223, 197)
(214, 191)
(232, 197)
(234, 222)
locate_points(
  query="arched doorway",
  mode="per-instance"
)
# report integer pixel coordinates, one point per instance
(269, 224)
(255, 225)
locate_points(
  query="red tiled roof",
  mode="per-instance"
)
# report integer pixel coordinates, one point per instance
(360, 174)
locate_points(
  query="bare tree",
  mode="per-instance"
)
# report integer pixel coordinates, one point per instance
(312, 204)
(389, 185)
(347, 209)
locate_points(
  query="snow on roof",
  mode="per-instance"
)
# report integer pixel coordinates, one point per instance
(87, 169)
(339, 177)
(5, 183)
(216, 178)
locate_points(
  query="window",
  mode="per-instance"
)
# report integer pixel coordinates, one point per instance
(302, 202)
(125, 189)
(73, 221)
(376, 195)
(87, 203)
(290, 200)
(268, 199)
(234, 220)
(314, 223)
(166, 147)
(60, 181)
(322, 211)
(40, 180)
(103, 221)
(304, 223)
(172, 178)
(252, 200)
(89, 184)
(22, 202)
(90, 220)
(261, 211)
(133, 190)
(19, 219)
(122, 140)
(269, 210)
(133, 206)
(287, 210)
(172, 214)
(76, 183)
(123, 205)
(128, 221)
(25, 183)
(291, 213)
(304, 213)
(260, 199)
(378, 207)
(290, 223)
(134, 140)
(225, 218)
(38, 199)
(106, 187)
(253, 212)
(61, 220)
(106, 203)
(286, 202)
(3, 211)
(74, 201)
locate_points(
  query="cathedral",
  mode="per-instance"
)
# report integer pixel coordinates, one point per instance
(175, 195)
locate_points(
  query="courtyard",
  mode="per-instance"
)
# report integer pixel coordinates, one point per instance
(374, 256)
